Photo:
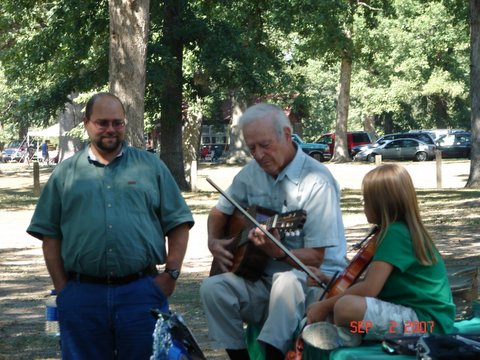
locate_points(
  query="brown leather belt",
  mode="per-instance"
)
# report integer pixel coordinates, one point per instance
(113, 280)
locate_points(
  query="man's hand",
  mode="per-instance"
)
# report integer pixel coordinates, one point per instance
(318, 311)
(258, 238)
(165, 282)
(223, 257)
(312, 282)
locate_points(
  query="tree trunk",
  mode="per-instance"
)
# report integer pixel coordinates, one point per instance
(191, 141)
(69, 119)
(388, 123)
(474, 178)
(369, 123)
(127, 66)
(440, 112)
(171, 97)
(340, 152)
(237, 152)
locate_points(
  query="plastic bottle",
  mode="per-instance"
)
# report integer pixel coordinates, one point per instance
(51, 315)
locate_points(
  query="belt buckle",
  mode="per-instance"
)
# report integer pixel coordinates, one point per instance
(114, 280)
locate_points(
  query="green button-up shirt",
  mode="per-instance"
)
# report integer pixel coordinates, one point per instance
(111, 220)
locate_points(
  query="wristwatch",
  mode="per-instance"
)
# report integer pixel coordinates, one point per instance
(174, 273)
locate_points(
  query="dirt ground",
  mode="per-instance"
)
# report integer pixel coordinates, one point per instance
(25, 282)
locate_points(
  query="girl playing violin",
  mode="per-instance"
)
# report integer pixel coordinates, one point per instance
(405, 289)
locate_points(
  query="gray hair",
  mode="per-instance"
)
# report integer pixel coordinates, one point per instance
(266, 111)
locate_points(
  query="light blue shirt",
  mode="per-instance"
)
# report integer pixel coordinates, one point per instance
(304, 184)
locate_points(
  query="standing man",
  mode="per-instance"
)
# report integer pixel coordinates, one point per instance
(281, 178)
(44, 149)
(103, 217)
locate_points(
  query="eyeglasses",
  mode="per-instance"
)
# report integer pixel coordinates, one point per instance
(105, 124)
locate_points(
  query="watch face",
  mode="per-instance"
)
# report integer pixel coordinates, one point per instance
(173, 273)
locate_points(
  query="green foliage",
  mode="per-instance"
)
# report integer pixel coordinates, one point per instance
(321, 82)
(410, 59)
(419, 71)
(51, 49)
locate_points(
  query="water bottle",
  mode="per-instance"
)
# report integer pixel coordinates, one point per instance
(51, 315)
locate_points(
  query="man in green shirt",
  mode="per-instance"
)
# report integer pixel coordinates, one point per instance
(103, 217)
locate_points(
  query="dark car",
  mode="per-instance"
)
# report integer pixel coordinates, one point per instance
(320, 152)
(399, 149)
(423, 136)
(455, 145)
(354, 138)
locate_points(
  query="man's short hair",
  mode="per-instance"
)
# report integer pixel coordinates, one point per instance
(95, 98)
(266, 111)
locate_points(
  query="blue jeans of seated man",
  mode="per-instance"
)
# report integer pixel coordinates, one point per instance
(108, 321)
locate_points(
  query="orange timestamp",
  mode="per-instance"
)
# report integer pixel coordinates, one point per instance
(409, 327)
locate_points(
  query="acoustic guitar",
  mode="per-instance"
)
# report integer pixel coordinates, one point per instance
(249, 261)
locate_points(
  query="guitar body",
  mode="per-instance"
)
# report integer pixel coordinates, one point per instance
(249, 261)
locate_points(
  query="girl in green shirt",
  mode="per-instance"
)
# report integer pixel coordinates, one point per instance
(405, 290)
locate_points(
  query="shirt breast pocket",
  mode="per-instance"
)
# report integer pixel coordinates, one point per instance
(138, 197)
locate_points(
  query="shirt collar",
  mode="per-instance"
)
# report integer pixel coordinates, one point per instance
(93, 158)
(293, 169)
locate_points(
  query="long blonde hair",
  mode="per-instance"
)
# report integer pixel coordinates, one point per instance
(390, 196)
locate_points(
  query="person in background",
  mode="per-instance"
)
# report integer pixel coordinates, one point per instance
(405, 290)
(281, 178)
(45, 155)
(107, 217)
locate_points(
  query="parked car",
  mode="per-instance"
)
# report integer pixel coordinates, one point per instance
(12, 155)
(320, 152)
(15, 151)
(211, 152)
(436, 133)
(455, 145)
(18, 151)
(354, 138)
(399, 149)
(421, 135)
(356, 149)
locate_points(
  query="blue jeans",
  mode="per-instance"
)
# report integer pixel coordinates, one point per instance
(108, 321)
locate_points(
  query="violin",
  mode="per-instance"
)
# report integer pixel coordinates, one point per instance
(356, 267)
(341, 282)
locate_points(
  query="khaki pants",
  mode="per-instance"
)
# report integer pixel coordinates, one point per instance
(230, 301)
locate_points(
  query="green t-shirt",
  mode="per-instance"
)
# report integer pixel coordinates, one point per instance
(425, 289)
(111, 220)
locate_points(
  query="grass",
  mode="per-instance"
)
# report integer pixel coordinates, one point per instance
(450, 214)
(17, 200)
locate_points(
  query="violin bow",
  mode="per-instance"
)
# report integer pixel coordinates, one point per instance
(268, 234)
